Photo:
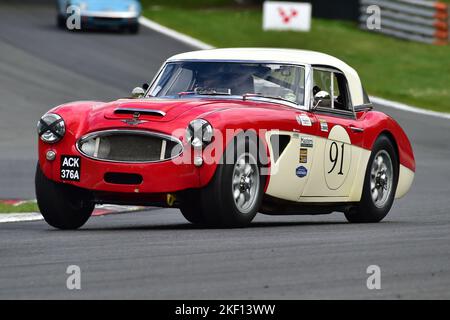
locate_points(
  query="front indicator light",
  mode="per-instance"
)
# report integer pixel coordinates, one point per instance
(50, 155)
(198, 161)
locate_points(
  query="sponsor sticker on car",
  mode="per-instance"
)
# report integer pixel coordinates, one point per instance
(70, 168)
(304, 120)
(306, 142)
(303, 155)
(323, 126)
(301, 172)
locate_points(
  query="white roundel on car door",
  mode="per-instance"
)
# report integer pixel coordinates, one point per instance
(337, 157)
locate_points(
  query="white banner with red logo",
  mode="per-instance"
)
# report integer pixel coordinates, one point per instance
(279, 15)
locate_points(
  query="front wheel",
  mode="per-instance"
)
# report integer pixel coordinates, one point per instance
(235, 193)
(380, 184)
(191, 208)
(62, 206)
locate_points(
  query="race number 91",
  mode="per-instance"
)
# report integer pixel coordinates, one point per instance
(337, 160)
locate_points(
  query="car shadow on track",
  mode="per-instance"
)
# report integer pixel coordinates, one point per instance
(254, 225)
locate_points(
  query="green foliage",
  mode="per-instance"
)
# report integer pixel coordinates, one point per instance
(25, 207)
(188, 3)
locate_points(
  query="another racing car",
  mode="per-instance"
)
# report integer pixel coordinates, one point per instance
(89, 14)
(223, 134)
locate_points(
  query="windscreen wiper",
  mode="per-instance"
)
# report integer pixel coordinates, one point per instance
(207, 92)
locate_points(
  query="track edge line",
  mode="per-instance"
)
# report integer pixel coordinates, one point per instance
(174, 34)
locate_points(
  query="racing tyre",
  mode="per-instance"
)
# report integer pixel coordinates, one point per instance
(234, 195)
(380, 184)
(191, 208)
(134, 28)
(62, 206)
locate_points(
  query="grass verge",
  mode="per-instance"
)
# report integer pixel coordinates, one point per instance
(403, 71)
(24, 207)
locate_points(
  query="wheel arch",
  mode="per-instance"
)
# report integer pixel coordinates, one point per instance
(378, 123)
(392, 139)
(207, 172)
(386, 126)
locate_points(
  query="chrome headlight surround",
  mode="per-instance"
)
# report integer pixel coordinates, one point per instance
(51, 128)
(199, 133)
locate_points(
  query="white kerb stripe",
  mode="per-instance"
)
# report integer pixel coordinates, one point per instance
(174, 34)
(405, 107)
(19, 217)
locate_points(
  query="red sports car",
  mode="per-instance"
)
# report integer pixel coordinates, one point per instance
(223, 134)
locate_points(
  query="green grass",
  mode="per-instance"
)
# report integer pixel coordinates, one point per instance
(408, 72)
(189, 3)
(25, 207)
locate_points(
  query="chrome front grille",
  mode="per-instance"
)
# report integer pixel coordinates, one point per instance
(129, 146)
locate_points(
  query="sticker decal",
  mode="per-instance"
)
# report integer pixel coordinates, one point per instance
(70, 168)
(301, 172)
(304, 120)
(323, 126)
(303, 155)
(306, 142)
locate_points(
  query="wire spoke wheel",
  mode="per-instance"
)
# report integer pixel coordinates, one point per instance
(381, 178)
(380, 184)
(245, 183)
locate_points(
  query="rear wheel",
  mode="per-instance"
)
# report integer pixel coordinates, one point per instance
(235, 193)
(380, 184)
(62, 206)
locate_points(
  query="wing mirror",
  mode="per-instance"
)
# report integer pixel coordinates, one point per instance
(321, 97)
(139, 92)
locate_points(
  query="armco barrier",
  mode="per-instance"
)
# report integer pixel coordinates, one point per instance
(416, 20)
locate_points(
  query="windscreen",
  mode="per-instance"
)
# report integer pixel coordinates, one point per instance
(181, 79)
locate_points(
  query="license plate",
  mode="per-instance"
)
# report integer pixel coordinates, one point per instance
(70, 168)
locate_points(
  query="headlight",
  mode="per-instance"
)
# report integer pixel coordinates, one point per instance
(51, 128)
(199, 133)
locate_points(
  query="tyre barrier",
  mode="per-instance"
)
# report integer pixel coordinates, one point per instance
(415, 20)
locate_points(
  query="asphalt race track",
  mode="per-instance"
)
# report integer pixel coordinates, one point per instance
(156, 254)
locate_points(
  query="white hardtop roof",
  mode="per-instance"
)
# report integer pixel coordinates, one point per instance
(302, 57)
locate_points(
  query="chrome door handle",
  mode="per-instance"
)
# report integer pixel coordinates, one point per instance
(356, 129)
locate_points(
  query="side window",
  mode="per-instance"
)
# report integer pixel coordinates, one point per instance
(341, 95)
(322, 82)
(335, 84)
(366, 97)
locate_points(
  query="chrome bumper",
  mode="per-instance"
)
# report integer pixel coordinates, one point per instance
(111, 14)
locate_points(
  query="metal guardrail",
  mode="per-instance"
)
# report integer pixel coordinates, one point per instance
(417, 20)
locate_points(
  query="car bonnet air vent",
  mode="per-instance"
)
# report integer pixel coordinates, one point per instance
(140, 112)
